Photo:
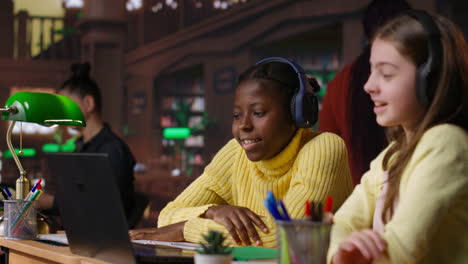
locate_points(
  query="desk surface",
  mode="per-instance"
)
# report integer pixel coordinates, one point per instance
(33, 252)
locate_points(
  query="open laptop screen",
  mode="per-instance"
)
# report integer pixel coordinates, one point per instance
(93, 215)
(90, 206)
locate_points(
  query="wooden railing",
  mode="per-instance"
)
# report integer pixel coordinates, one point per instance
(158, 19)
(40, 37)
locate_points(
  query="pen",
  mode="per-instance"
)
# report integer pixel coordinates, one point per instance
(327, 212)
(272, 206)
(329, 204)
(33, 189)
(317, 212)
(5, 195)
(271, 198)
(8, 192)
(308, 211)
(272, 209)
(282, 210)
(36, 195)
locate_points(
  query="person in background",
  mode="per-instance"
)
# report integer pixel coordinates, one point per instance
(268, 152)
(347, 109)
(411, 205)
(97, 136)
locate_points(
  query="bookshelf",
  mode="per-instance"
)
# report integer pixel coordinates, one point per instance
(182, 104)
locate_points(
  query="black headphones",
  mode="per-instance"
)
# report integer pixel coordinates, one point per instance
(427, 73)
(304, 104)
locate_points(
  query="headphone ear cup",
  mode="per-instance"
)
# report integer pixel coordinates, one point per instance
(310, 110)
(292, 108)
(307, 115)
(421, 86)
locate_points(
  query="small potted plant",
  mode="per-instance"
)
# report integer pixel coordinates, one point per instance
(213, 252)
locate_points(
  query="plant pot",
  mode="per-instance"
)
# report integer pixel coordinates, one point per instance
(212, 259)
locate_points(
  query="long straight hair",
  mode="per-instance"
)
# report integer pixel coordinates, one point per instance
(450, 102)
(367, 138)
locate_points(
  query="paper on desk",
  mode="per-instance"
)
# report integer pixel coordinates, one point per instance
(61, 238)
(182, 245)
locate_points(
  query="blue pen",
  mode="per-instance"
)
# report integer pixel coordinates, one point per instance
(4, 194)
(7, 191)
(271, 198)
(33, 189)
(283, 211)
(272, 209)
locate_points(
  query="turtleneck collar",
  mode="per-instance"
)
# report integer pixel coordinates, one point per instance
(281, 163)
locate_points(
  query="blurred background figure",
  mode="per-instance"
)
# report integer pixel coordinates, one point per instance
(97, 137)
(347, 109)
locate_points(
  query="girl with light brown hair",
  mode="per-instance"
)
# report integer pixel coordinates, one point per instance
(410, 207)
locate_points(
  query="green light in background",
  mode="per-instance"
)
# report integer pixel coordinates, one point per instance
(27, 152)
(69, 147)
(50, 147)
(176, 132)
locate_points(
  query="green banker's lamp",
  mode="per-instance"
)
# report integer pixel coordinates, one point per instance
(40, 108)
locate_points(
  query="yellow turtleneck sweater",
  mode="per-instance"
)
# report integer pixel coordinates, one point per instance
(311, 167)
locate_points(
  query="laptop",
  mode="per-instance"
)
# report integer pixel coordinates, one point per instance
(92, 213)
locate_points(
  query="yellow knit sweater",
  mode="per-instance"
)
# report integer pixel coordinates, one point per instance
(311, 167)
(430, 221)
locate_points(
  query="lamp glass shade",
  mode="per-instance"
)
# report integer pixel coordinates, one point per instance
(44, 109)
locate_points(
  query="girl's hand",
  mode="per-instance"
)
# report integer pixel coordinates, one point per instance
(174, 232)
(239, 221)
(362, 246)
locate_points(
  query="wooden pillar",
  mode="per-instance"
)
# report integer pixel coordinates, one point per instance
(103, 43)
(22, 42)
(6, 28)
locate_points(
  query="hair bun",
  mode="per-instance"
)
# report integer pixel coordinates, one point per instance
(81, 70)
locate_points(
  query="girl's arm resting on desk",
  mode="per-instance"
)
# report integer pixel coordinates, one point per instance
(239, 221)
(211, 188)
(207, 197)
(199, 201)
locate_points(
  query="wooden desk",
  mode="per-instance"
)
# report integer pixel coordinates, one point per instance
(33, 252)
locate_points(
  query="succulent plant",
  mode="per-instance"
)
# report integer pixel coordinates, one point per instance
(214, 244)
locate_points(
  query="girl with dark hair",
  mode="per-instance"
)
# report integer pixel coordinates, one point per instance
(268, 152)
(347, 109)
(411, 205)
(97, 137)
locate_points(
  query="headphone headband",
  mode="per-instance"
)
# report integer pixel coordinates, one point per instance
(304, 105)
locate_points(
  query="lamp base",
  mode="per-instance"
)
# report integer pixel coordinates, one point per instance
(22, 187)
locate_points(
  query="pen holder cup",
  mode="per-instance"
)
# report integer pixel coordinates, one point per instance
(302, 241)
(20, 222)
